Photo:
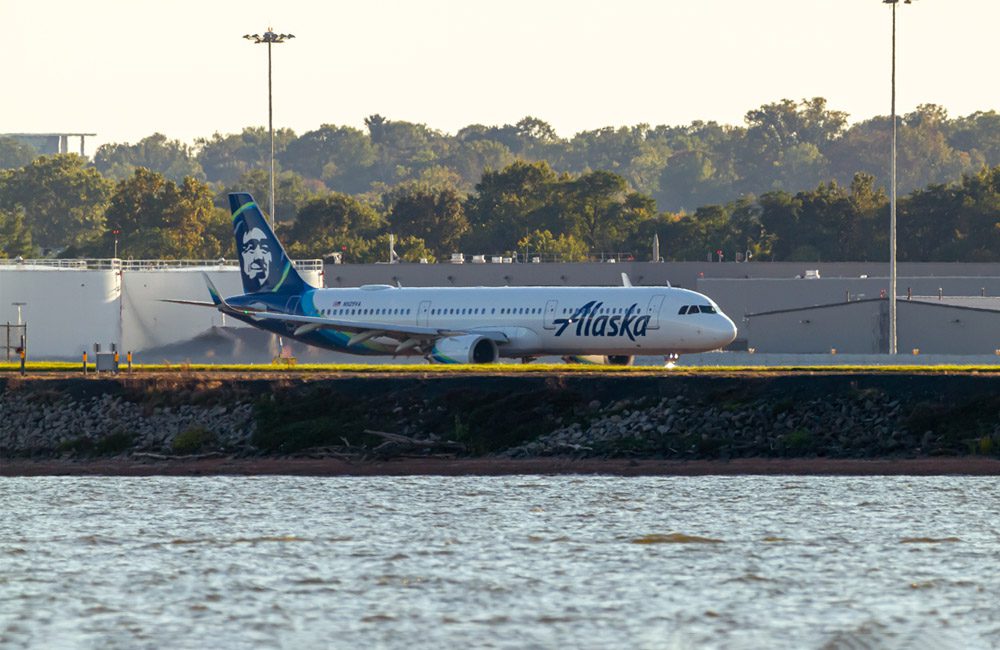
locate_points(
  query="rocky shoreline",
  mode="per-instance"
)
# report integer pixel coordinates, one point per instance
(499, 419)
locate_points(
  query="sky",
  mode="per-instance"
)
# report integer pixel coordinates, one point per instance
(126, 69)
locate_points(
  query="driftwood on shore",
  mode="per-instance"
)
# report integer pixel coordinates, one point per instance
(152, 456)
(398, 445)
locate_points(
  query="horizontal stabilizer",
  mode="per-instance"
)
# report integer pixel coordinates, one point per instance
(196, 303)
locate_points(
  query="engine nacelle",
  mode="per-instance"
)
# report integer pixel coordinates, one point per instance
(470, 348)
(614, 360)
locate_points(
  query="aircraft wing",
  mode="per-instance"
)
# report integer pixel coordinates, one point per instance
(365, 330)
(409, 336)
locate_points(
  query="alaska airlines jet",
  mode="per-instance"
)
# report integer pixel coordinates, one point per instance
(458, 324)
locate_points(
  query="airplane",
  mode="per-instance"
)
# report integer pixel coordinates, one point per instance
(462, 324)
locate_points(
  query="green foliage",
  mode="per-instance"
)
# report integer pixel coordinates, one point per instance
(292, 191)
(342, 157)
(193, 440)
(315, 418)
(799, 440)
(114, 443)
(564, 248)
(63, 199)
(172, 158)
(332, 223)
(160, 218)
(15, 154)
(434, 215)
(15, 237)
(227, 157)
(794, 182)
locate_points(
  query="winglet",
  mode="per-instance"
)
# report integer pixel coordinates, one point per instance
(217, 298)
(626, 282)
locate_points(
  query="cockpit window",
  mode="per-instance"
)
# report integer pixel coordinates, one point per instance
(683, 310)
(707, 309)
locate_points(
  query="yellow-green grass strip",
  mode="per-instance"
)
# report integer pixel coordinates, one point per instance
(506, 368)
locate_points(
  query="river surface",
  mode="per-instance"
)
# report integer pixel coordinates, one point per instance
(500, 562)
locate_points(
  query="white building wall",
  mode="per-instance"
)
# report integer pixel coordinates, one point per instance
(66, 310)
(69, 309)
(148, 322)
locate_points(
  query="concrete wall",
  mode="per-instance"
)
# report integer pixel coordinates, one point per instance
(683, 274)
(854, 328)
(67, 310)
(147, 322)
(863, 328)
(944, 329)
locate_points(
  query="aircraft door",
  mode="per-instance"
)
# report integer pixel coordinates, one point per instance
(549, 317)
(423, 313)
(653, 311)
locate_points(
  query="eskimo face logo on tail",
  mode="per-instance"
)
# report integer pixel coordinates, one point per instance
(590, 322)
(256, 257)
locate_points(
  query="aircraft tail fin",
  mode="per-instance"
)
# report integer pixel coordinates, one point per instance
(264, 265)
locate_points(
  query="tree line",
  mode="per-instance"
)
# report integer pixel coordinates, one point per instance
(794, 183)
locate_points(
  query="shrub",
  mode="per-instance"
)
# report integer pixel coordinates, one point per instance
(193, 440)
(113, 443)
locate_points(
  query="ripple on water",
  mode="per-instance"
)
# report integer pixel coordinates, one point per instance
(675, 538)
(772, 562)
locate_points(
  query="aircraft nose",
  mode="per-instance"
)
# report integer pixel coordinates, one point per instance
(725, 331)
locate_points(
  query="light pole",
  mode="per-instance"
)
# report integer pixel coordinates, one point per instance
(270, 37)
(892, 192)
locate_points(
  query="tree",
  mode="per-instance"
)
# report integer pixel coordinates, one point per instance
(779, 135)
(159, 218)
(15, 154)
(978, 134)
(512, 202)
(172, 158)
(63, 199)
(15, 238)
(472, 159)
(687, 181)
(342, 157)
(564, 248)
(227, 157)
(600, 211)
(434, 215)
(734, 228)
(407, 248)
(291, 190)
(331, 223)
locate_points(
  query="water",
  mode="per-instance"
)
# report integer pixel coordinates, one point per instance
(510, 562)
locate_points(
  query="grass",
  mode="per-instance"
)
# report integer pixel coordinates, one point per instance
(511, 368)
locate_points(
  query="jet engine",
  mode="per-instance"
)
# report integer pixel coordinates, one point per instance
(469, 348)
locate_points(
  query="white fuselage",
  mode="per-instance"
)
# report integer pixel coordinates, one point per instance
(539, 321)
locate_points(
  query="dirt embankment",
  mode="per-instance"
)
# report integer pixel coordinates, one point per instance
(307, 424)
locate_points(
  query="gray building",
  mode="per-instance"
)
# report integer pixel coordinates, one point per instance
(926, 325)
